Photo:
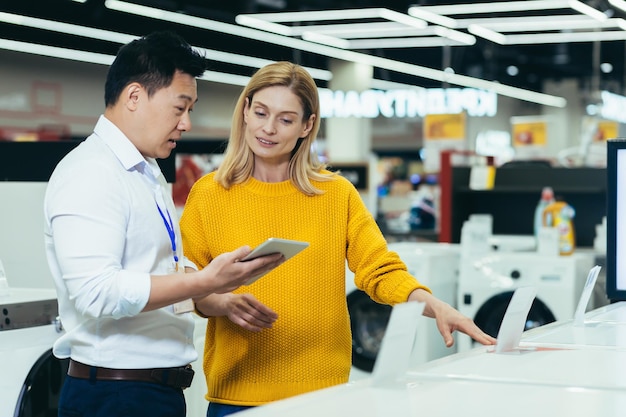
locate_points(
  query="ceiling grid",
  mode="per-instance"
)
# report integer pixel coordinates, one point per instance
(516, 44)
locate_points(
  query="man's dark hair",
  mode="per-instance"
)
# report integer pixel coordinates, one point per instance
(152, 61)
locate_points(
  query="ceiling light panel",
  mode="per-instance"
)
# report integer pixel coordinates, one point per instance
(56, 52)
(421, 42)
(363, 30)
(532, 21)
(620, 4)
(122, 38)
(565, 37)
(103, 59)
(384, 28)
(541, 23)
(498, 7)
(437, 35)
(338, 15)
(336, 53)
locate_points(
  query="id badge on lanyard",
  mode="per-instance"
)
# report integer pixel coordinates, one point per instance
(184, 306)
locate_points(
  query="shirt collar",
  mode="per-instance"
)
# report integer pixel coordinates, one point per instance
(125, 151)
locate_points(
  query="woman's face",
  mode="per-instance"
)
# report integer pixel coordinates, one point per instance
(274, 123)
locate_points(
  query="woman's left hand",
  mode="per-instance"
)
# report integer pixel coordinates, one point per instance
(449, 319)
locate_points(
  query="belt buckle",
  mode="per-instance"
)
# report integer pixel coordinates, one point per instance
(186, 376)
(175, 377)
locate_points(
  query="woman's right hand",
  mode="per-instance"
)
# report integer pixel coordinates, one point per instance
(227, 272)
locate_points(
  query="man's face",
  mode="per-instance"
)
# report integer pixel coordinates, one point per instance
(165, 116)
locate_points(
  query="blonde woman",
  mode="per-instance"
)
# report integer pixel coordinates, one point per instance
(289, 332)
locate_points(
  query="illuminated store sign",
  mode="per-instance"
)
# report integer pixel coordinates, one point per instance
(408, 103)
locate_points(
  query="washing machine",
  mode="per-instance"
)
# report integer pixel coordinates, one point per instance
(487, 282)
(434, 264)
(31, 376)
(22, 245)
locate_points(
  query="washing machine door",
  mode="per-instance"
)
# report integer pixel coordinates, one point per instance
(39, 396)
(489, 316)
(368, 321)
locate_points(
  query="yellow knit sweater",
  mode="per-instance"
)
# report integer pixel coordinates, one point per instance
(309, 346)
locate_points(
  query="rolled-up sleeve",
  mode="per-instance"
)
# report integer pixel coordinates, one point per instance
(88, 218)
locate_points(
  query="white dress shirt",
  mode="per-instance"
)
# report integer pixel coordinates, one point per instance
(104, 238)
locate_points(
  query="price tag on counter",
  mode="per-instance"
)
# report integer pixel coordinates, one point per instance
(514, 319)
(579, 315)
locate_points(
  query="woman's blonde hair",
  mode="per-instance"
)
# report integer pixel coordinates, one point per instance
(304, 166)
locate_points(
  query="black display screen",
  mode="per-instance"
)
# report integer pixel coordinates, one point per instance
(616, 220)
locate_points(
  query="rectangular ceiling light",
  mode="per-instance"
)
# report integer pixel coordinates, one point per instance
(541, 38)
(492, 29)
(56, 52)
(542, 23)
(337, 53)
(396, 37)
(429, 16)
(620, 4)
(516, 31)
(376, 31)
(565, 37)
(441, 15)
(332, 34)
(362, 30)
(507, 6)
(341, 35)
(339, 15)
(326, 40)
(486, 33)
(267, 26)
(588, 10)
(412, 42)
(225, 78)
(122, 38)
(68, 28)
(103, 59)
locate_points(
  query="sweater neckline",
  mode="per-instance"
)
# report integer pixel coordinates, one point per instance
(270, 188)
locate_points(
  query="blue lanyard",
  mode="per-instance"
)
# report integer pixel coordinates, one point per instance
(170, 230)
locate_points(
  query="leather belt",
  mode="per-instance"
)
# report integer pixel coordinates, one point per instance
(180, 377)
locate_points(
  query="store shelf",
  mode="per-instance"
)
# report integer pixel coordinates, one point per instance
(515, 194)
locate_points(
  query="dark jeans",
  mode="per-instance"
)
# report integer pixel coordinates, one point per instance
(85, 398)
(221, 410)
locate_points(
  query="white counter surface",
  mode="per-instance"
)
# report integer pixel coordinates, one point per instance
(559, 370)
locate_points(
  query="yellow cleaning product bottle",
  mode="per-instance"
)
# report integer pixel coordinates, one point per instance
(560, 215)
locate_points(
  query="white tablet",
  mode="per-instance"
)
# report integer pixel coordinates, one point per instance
(287, 247)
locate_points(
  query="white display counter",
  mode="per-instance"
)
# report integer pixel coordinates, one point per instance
(559, 369)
